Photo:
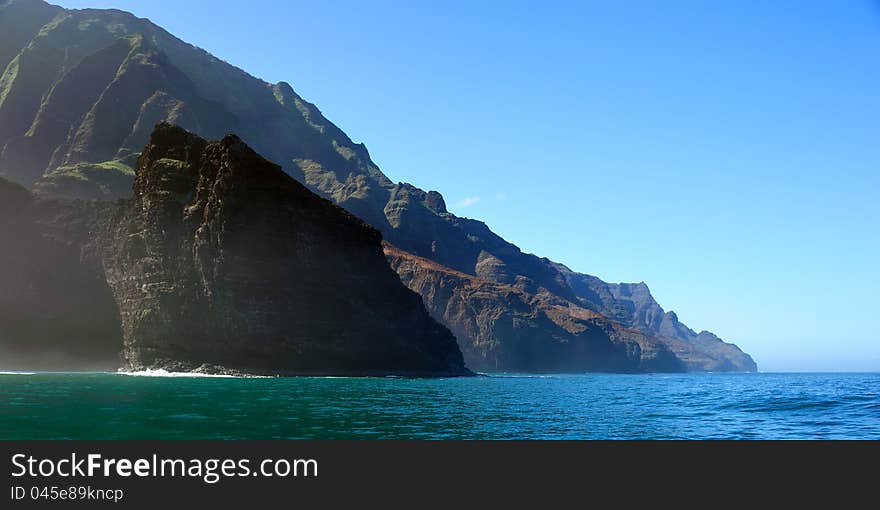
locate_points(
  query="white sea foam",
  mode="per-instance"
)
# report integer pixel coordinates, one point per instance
(507, 375)
(3, 372)
(161, 372)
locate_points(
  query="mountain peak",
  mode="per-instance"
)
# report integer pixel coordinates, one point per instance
(434, 201)
(283, 85)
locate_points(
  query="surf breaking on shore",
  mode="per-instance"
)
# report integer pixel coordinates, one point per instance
(161, 372)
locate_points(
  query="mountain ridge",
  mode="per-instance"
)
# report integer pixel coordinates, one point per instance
(161, 78)
(539, 333)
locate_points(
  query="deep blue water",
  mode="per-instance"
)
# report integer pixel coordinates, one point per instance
(590, 406)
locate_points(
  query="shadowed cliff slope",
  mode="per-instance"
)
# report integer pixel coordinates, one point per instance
(56, 309)
(219, 263)
(80, 91)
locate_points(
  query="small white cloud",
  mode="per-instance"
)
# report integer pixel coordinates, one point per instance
(501, 196)
(467, 202)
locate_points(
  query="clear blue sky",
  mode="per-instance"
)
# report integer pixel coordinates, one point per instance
(727, 153)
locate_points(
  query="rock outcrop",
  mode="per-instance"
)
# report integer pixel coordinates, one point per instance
(502, 328)
(222, 259)
(632, 305)
(219, 263)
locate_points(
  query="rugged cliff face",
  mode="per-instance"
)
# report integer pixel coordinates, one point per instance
(222, 260)
(503, 328)
(632, 305)
(80, 91)
(220, 263)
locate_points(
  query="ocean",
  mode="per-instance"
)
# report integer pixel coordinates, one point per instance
(502, 406)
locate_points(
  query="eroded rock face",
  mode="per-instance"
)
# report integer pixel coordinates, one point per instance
(220, 259)
(632, 305)
(502, 328)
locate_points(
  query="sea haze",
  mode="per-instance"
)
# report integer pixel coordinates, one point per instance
(508, 406)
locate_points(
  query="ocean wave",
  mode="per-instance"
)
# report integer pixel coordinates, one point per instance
(161, 372)
(4, 372)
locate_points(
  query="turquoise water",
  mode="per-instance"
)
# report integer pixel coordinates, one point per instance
(591, 406)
